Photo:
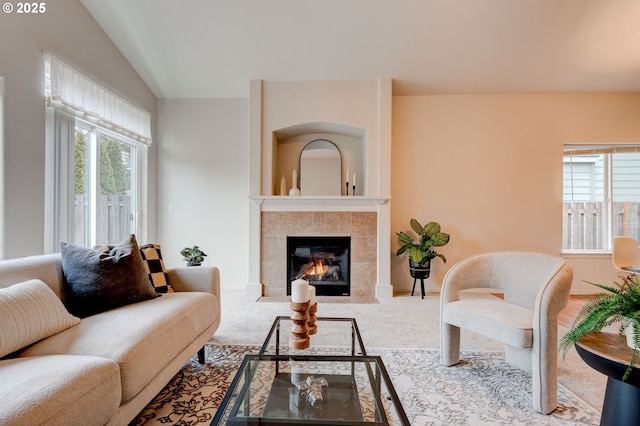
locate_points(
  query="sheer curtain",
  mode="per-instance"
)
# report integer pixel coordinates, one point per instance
(70, 90)
(64, 128)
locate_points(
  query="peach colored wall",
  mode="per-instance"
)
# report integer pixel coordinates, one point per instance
(488, 168)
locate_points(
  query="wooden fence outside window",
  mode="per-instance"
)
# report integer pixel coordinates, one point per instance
(114, 218)
(583, 224)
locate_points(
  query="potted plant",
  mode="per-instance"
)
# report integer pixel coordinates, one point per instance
(620, 303)
(421, 250)
(193, 255)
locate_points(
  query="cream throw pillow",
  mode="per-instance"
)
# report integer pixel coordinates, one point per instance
(29, 312)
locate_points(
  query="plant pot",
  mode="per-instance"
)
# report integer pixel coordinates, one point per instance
(420, 270)
(194, 264)
(628, 326)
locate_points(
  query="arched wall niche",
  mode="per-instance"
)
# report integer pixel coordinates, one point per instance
(350, 140)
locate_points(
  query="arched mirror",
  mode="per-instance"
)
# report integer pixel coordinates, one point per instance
(320, 168)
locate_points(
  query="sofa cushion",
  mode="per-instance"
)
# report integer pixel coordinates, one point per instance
(154, 265)
(74, 390)
(98, 281)
(142, 338)
(30, 311)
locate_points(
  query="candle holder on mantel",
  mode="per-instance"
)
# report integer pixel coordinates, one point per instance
(311, 322)
(299, 335)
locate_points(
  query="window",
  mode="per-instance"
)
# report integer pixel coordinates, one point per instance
(601, 195)
(104, 186)
(96, 160)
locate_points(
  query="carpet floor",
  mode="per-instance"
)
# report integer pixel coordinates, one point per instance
(408, 323)
(483, 389)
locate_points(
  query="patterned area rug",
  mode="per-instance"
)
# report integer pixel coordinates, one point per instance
(483, 389)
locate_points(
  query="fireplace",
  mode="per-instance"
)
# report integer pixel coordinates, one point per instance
(323, 261)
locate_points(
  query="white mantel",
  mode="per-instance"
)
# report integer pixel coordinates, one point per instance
(277, 203)
(277, 108)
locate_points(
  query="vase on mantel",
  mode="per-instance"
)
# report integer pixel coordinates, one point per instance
(294, 191)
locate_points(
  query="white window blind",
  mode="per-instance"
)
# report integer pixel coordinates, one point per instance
(71, 90)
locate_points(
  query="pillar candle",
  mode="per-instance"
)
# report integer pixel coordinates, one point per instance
(347, 176)
(354, 179)
(312, 295)
(300, 291)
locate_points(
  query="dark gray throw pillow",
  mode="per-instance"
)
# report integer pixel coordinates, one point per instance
(97, 281)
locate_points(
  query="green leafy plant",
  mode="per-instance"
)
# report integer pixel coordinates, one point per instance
(193, 255)
(620, 303)
(429, 236)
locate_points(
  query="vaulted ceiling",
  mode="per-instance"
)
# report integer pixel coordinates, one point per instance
(212, 48)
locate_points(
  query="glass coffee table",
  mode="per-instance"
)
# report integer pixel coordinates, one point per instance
(332, 382)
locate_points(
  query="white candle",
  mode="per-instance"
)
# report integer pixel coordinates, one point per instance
(347, 176)
(299, 291)
(294, 179)
(312, 295)
(354, 179)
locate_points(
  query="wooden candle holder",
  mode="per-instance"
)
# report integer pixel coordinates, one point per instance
(299, 335)
(311, 322)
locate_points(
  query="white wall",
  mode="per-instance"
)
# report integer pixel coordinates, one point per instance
(203, 175)
(67, 30)
(489, 170)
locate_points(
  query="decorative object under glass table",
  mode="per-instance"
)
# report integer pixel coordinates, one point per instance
(332, 382)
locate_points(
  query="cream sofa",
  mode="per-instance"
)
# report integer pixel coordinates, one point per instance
(107, 367)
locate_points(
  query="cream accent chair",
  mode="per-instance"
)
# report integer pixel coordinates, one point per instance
(536, 288)
(626, 255)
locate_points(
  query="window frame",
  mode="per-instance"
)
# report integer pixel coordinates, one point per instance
(606, 220)
(60, 185)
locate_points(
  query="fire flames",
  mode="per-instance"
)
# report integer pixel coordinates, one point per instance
(318, 268)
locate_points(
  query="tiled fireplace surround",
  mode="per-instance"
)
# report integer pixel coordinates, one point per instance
(360, 226)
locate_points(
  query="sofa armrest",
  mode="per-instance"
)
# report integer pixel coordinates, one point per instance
(195, 278)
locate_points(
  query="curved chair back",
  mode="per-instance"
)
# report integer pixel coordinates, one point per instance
(626, 255)
(519, 275)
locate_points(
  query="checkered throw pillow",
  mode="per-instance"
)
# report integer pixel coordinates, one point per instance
(152, 257)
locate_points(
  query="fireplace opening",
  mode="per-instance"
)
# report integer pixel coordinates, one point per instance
(323, 261)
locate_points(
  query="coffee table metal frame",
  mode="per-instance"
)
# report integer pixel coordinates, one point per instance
(356, 339)
(376, 375)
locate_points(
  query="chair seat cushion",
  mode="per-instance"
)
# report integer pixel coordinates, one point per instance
(497, 319)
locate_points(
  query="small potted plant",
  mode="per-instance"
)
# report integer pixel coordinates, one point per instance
(421, 250)
(193, 255)
(620, 304)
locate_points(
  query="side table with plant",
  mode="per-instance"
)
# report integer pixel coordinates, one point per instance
(620, 304)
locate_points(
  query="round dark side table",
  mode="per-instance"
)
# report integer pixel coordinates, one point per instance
(609, 354)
